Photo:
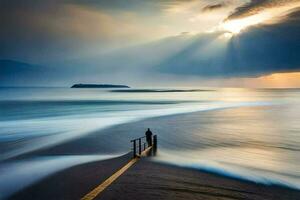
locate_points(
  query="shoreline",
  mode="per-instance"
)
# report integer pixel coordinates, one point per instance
(151, 180)
(232, 175)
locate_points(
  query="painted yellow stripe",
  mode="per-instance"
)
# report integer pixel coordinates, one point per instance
(95, 192)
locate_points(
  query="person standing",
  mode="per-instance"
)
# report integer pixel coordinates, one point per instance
(149, 137)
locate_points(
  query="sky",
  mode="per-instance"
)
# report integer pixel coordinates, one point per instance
(230, 43)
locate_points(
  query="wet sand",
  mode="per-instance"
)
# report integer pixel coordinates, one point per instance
(148, 180)
(73, 183)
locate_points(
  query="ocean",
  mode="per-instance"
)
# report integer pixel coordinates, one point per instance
(250, 134)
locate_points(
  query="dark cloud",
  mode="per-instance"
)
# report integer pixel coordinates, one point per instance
(213, 7)
(255, 6)
(260, 50)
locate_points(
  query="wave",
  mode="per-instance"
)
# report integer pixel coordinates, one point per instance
(238, 171)
(26, 109)
(40, 133)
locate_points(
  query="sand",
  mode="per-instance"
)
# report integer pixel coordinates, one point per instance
(149, 180)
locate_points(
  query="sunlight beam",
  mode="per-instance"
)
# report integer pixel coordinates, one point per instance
(268, 16)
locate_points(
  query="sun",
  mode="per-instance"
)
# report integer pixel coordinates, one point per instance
(267, 16)
(237, 25)
(233, 27)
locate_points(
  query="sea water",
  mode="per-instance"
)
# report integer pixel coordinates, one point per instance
(252, 134)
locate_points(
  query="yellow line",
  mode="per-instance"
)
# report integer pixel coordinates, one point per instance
(96, 191)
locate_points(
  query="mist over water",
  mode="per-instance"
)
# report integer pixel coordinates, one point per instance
(245, 133)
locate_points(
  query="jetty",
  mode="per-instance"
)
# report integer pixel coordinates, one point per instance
(139, 149)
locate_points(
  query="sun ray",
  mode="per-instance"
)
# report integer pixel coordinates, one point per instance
(267, 16)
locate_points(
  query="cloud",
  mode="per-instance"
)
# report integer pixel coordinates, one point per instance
(47, 30)
(255, 6)
(262, 49)
(43, 31)
(213, 7)
(76, 40)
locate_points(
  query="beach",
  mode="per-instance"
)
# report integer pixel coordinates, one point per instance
(207, 148)
(149, 180)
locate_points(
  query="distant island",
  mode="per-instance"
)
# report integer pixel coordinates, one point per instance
(98, 86)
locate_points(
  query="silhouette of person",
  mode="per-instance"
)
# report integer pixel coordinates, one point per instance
(149, 137)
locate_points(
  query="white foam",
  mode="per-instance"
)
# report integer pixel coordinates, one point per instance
(17, 175)
(241, 163)
(61, 129)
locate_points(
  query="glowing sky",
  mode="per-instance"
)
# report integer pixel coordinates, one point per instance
(197, 40)
(270, 14)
